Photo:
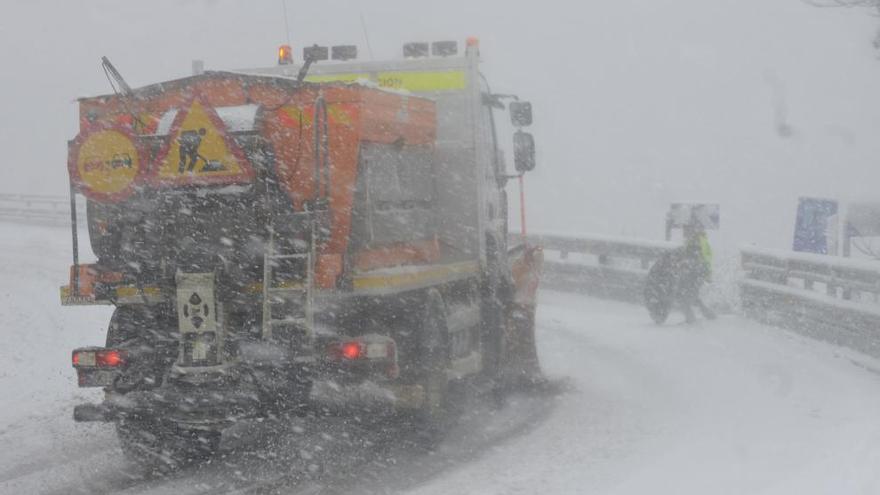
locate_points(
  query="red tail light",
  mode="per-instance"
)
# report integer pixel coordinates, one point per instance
(376, 352)
(110, 358)
(98, 358)
(350, 350)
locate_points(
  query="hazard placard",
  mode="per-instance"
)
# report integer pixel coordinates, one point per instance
(200, 151)
(106, 163)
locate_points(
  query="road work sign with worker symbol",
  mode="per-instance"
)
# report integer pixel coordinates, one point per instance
(199, 150)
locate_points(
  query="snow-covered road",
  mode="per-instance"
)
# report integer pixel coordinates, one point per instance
(728, 406)
(720, 407)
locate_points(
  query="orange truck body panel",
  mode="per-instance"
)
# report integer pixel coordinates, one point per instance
(357, 114)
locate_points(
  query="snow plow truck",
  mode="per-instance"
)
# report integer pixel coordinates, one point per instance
(279, 238)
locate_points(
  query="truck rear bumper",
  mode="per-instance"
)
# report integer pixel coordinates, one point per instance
(196, 408)
(367, 394)
(209, 408)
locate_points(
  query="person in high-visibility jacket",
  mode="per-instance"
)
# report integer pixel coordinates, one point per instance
(695, 270)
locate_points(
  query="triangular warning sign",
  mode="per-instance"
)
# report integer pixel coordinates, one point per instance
(199, 150)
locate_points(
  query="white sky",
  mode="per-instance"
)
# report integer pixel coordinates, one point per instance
(637, 103)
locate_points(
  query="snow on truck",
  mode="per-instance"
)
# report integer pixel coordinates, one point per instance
(274, 238)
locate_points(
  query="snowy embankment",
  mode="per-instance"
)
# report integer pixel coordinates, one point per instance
(728, 406)
(37, 383)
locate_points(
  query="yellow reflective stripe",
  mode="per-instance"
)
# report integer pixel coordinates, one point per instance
(418, 275)
(122, 293)
(417, 82)
(319, 78)
(135, 291)
(68, 300)
(420, 82)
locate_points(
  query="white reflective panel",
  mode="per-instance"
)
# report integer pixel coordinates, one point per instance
(165, 122)
(240, 118)
(377, 351)
(86, 358)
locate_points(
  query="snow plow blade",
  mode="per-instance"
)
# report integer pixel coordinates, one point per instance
(521, 366)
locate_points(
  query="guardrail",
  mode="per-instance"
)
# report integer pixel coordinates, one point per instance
(601, 266)
(35, 209)
(826, 297)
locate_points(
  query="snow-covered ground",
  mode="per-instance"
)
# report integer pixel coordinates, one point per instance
(719, 407)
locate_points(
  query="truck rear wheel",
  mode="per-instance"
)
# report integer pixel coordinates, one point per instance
(145, 333)
(163, 448)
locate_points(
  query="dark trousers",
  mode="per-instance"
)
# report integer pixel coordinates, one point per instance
(688, 300)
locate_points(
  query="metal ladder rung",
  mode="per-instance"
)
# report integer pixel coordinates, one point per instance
(299, 295)
(288, 321)
(286, 290)
(288, 256)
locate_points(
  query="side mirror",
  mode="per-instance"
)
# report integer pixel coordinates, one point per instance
(523, 151)
(520, 113)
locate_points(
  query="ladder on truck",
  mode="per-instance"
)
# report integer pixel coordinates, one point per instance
(296, 319)
(288, 291)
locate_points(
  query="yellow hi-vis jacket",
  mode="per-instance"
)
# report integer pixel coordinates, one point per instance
(706, 253)
(702, 242)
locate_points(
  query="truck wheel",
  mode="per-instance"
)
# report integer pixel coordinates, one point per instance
(159, 448)
(145, 333)
(434, 417)
(497, 291)
(124, 325)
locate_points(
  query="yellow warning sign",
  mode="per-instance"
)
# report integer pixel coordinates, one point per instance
(106, 163)
(199, 150)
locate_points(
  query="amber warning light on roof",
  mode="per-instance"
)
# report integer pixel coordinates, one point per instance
(285, 55)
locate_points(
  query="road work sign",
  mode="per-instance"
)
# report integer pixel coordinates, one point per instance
(199, 150)
(105, 164)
